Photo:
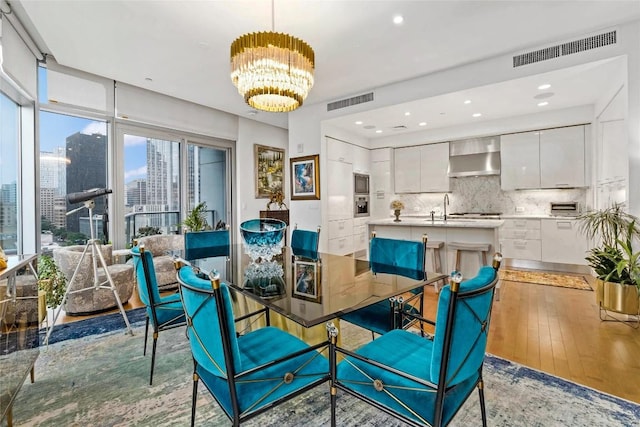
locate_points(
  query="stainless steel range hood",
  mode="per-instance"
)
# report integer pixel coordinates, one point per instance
(473, 157)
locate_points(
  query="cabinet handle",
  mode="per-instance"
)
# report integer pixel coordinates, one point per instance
(341, 159)
(520, 223)
(565, 225)
(522, 244)
(562, 185)
(521, 234)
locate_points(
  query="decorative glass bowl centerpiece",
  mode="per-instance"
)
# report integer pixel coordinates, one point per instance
(263, 238)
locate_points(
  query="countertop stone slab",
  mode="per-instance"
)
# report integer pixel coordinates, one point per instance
(414, 221)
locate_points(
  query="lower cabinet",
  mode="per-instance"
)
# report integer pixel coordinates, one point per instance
(562, 242)
(520, 239)
(548, 240)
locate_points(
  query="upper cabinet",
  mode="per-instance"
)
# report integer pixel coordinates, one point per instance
(422, 169)
(361, 160)
(339, 151)
(407, 169)
(562, 157)
(552, 158)
(434, 165)
(520, 161)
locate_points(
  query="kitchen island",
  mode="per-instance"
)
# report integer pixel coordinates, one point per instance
(452, 230)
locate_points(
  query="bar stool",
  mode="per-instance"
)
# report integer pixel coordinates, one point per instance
(459, 247)
(435, 246)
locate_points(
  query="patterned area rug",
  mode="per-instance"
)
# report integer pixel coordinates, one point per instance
(102, 380)
(550, 279)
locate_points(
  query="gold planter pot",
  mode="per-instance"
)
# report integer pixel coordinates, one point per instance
(616, 297)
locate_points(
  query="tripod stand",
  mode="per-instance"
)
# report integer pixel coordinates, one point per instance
(92, 245)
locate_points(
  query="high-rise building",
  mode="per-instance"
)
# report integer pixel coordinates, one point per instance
(136, 193)
(87, 169)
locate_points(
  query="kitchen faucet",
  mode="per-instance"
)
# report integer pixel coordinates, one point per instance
(445, 203)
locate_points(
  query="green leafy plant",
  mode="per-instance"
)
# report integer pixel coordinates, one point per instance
(196, 220)
(51, 280)
(148, 231)
(614, 260)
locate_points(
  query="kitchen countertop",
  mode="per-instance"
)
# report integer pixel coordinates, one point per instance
(416, 221)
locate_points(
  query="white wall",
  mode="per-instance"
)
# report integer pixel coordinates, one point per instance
(251, 132)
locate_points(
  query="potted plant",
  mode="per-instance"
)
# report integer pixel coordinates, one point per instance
(616, 265)
(196, 220)
(51, 280)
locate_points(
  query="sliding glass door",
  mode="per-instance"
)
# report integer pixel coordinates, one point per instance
(164, 175)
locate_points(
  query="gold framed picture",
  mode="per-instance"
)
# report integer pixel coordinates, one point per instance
(269, 170)
(305, 178)
(307, 283)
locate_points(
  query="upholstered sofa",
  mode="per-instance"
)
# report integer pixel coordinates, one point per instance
(160, 246)
(88, 299)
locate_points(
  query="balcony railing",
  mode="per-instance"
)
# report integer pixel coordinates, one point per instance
(168, 222)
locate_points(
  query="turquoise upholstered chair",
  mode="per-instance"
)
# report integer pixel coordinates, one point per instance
(304, 243)
(425, 381)
(204, 248)
(402, 257)
(206, 244)
(246, 374)
(162, 312)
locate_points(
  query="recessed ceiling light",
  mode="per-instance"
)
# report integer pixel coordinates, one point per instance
(422, 124)
(149, 79)
(544, 86)
(477, 114)
(359, 122)
(542, 104)
(408, 113)
(398, 19)
(468, 101)
(252, 112)
(379, 131)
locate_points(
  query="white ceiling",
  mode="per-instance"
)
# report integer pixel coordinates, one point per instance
(183, 46)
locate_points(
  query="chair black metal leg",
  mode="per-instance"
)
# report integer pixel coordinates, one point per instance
(194, 398)
(483, 411)
(146, 336)
(153, 355)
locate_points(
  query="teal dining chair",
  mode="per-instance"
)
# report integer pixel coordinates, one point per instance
(163, 312)
(400, 257)
(249, 373)
(304, 243)
(424, 381)
(203, 248)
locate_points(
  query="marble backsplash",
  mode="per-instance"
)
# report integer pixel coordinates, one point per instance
(483, 194)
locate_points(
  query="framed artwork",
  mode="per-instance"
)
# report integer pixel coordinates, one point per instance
(269, 165)
(307, 280)
(305, 178)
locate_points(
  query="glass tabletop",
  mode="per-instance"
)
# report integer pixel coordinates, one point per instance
(312, 292)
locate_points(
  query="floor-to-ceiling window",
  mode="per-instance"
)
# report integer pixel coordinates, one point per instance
(73, 159)
(9, 173)
(151, 185)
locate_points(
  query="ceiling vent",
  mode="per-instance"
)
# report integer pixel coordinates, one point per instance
(343, 103)
(563, 49)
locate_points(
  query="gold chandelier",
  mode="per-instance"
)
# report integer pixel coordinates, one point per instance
(272, 71)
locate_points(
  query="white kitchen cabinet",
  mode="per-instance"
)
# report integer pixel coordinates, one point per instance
(361, 160)
(407, 169)
(339, 151)
(520, 239)
(382, 188)
(340, 190)
(434, 165)
(422, 169)
(341, 245)
(520, 161)
(562, 157)
(381, 155)
(562, 242)
(614, 159)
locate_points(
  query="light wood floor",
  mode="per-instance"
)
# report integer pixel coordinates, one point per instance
(555, 330)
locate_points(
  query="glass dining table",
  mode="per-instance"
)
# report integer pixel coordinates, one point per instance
(309, 292)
